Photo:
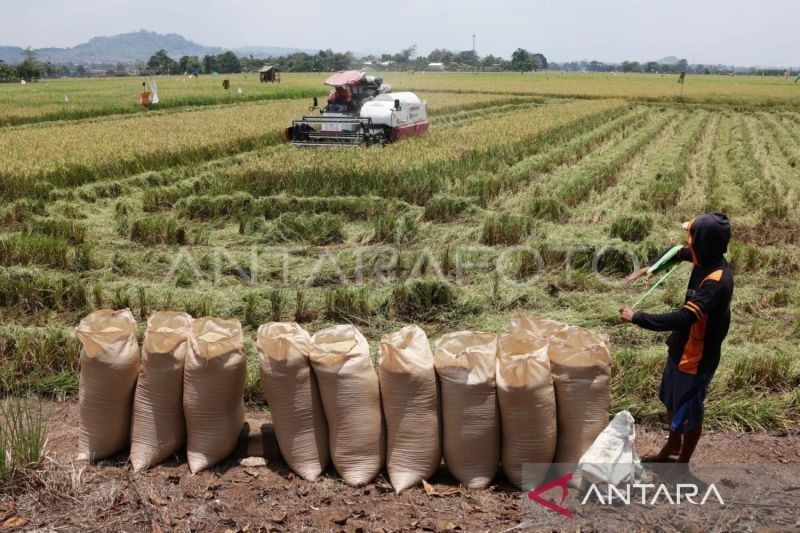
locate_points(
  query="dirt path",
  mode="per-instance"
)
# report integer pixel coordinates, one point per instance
(110, 497)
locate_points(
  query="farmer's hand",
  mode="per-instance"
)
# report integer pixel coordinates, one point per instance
(636, 275)
(626, 314)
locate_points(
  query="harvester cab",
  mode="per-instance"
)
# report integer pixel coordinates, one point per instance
(361, 110)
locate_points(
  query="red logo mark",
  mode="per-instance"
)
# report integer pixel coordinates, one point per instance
(535, 495)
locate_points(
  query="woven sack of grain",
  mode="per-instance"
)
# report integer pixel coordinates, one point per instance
(350, 394)
(580, 362)
(109, 367)
(527, 405)
(465, 364)
(214, 378)
(290, 387)
(410, 406)
(158, 430)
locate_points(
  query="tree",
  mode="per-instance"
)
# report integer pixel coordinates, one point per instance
(29, 70)
(683, 65)
(161, 63)
(209, 64)
(405, 55)
(596, 66)
(343, 61)
(228, 63)
(190, 64)
(490, 61)
(470, 57)
(49, 69)
(7, 72)
(521, 60)
(652, 66)
(440, 55)
(539, 61)
(631, 66)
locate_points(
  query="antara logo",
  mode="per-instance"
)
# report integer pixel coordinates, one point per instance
(648, 494)
(660, 494)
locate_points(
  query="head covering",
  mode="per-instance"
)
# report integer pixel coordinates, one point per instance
(709, 235)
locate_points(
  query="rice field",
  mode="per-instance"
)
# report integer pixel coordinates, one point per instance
(532, 193)
(37, 157)
(84, 98)
(751, 91)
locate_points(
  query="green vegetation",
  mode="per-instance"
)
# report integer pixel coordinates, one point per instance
(157, 229)
(631, 228)
(422, 299)
(319, 229)
(523, 185)
(505, 228)
(23, 433)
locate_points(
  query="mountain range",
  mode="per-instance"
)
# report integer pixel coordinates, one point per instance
(132, 47)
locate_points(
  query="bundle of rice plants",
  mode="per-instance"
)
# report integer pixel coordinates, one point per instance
(505, 229)
(631, 228)
(422, 299)
(318, 229)
(347, 304)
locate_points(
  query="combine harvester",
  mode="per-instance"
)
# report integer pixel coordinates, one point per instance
(361, 111)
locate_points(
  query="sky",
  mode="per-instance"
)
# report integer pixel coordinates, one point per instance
(745, 33)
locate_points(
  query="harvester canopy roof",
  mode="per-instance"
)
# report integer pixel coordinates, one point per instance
(348, 77)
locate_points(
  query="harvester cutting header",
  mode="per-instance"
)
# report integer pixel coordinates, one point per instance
(361, 111)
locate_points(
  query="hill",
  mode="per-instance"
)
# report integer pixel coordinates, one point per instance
(11, 54)
(125, 48)
(135, 46)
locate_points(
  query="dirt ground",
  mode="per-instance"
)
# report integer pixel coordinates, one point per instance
(72, 496)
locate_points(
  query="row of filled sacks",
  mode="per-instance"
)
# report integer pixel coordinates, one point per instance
(184, 387)
(327, 401)
(535, 395)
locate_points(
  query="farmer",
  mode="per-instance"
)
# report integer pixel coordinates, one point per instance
(698, 329)
(340, 96)
(144, 97)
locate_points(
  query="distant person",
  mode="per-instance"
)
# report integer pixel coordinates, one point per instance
(144, 96)
(682, 77)
(340, 96)
(698, 328)
(226, 84)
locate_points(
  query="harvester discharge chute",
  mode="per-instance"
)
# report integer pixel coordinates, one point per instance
(361, 111)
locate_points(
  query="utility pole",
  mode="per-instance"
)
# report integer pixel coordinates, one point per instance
(473, 42)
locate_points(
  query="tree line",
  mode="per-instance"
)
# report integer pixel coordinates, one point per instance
(328, 60)
(521, 60)
(407, 59)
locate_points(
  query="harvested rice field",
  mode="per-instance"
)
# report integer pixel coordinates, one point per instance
(534, 194)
